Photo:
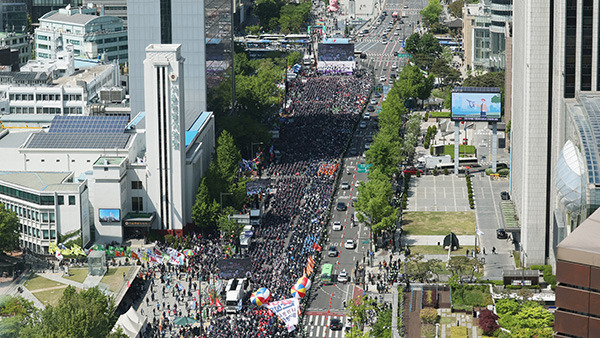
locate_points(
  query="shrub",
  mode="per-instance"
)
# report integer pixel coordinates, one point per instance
(418, 173)
(435, 172)
(487, 322)
(446, 171)
(426, 117)
(504, 172)
(488, 171)
(429, 315)
(170, 239)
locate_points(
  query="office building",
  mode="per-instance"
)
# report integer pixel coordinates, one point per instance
(17, 41)
(92, 36)
(167, 22)
(204, 30)
(578, 276)
(116, 8)
(37, 8)
(556, 61)
(13, 16)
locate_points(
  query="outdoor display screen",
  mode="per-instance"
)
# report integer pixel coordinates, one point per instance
(336, 52)
(109, 215)
(476, 106)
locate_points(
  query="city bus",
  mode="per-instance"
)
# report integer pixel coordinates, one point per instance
(258, 43)
(468, 161)
(272, 37)
(327, 274)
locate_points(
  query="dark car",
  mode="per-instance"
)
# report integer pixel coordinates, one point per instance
(332, 252)
(504, 195)
(341, 206)
(501, 234)
(353, 152)
(335, 324)
(377, 95)
(370, 108)
(363, 55)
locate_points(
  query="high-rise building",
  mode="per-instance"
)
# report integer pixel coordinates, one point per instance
(555, 119)
(204, 30)
(167, 22)
(13, 16)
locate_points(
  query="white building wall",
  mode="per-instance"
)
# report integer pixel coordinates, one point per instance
(530, 123)
(110, 192)
(165, 133)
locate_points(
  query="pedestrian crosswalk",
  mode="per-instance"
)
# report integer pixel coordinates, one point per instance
(317, 326)
(380, 54)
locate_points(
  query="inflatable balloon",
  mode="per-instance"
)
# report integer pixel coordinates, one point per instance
(260, 297)
(301, 287)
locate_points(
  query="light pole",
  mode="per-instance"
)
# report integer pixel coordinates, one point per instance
(256, 143)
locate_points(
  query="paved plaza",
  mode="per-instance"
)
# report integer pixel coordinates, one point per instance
(438, 193)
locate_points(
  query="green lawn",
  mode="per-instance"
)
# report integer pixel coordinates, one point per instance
(51, 297)
(438, 250)
(38, 282)
(114, 277)
(438, 223)
(441, 114)
(77, 275)
(449, 150)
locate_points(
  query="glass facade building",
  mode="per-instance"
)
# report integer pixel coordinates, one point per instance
(219, 49)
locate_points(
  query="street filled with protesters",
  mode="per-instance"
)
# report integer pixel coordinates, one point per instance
(313, 134)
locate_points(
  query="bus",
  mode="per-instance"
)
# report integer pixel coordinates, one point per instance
(296, 40)
(395, 15)
(258, 43)
(327, 274)
(272, 37)
(468, 161)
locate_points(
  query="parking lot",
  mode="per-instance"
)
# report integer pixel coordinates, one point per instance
(438, 193)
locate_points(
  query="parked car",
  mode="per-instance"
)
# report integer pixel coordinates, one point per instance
(501, 234)
(370, 108)
(343, 277)
(349, 244)
(367, 146)
(353, 151)
(412, 171)
(367, 116)
(363, 125)
(345, 185)
(504, 195)
(337, 226)
(341, 206)
(332, 252)
(373, 101)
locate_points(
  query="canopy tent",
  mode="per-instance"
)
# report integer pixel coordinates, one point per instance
(132, 323)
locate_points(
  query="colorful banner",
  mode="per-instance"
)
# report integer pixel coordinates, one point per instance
(287, 310)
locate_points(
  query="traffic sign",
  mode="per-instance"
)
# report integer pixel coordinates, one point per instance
(404, 55)
(363, 168)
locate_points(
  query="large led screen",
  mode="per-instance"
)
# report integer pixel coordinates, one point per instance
(109, 215)
(476, 106)
(336, 52)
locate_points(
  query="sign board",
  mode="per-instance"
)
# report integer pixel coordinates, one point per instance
(476, 106)
(363, 168)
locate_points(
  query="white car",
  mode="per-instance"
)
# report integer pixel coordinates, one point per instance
(394, 66)
(337, 226)
(343, 276)
(367, 116)
(384, 42)
(349, 244)
(345, 185)
(382, 78)
(396, 33)
(367, 146)
(373, 101)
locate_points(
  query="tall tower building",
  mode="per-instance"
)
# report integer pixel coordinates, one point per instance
(168, 22)
(165, 133)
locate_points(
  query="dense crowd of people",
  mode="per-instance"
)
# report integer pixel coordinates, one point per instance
(312, 138)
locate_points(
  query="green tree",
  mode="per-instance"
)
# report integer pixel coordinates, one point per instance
(229, 228)
(293, 58)
(431, 13)
(205, 209)
(412, 83)
(88, 313)
(384, 153)
(493, 79)
(253, 30)
(456, 7)
(358, 309)
(383, 327)
(374, 202)
(267, 12)
(228, 157)
(16, 313)
(9, 230)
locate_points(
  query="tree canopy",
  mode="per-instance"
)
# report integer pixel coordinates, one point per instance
(413, 84)
(9, 230)
(88, 313)
(525, 319)
(431, 13)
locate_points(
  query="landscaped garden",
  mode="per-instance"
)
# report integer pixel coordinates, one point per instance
(77, 275)
(114, 277)
(428, 223)
(465, 296)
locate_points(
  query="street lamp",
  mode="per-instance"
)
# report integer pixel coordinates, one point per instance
(255, 143)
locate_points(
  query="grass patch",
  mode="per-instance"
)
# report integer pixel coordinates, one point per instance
(465, 297)
(77, 275)
(51, 297)
(517, 257)
(37, 282)
(114, 277)
(449, 150)
(438, 222)
(458, 332)
(439, 250)
(439, 114)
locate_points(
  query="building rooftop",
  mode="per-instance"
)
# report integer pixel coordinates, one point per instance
(195, 127)
(86, 75)
(40, 181)
(77, 19)
(581, 246)
(15, 139)
(109, 161)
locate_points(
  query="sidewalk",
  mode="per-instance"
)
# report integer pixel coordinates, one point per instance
(436, 240)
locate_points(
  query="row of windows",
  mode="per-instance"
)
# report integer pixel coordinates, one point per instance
(44, 55)
(74, 42)
(43, 234)
(61, 200)
(136, 185)
(45, 97)
(46, 217)
(45, 110)
(43, 37)
(26, 196)
(40, 46)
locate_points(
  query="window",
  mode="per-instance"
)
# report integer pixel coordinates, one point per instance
(45, 217)
(61, 200)
(71, 200)
(45, 234)
(137, 204)
(52, 234)
(136, 185)
(52, 219)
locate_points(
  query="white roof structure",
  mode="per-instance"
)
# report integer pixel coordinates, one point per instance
(132, 323)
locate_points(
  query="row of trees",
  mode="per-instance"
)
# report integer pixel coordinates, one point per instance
(88, 313)
(280, 15)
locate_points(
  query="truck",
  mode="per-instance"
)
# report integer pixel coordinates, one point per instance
(430, 162)
(246, 238)
(234, 294)
(308, 60)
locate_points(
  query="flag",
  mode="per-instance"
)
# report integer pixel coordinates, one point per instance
(58, 255)
(212, 301)
(62, 246)
(316, 247)
(180, 287)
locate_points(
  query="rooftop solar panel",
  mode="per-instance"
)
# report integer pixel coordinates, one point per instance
(88, 124)
(77, 141)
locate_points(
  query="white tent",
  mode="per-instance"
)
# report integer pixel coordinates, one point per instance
(132, 323)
